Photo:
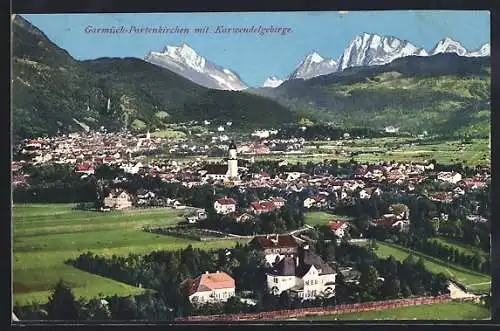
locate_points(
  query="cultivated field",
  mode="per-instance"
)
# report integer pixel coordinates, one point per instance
(46, 235)
(475, 281)
(448, 311)
(322, 218)
(392, 148)
(375, 150)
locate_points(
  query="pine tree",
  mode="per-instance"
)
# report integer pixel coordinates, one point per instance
(62, 304)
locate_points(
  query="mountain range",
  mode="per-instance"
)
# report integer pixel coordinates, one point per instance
(372, 49)
(365, 49)
(447, 88)
(444, 93)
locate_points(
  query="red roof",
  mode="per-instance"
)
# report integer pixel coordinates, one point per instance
(335, 225)
(469, 182)
(209, 282)
(441, 196)
(284, 241)
(84, 167)
(226, 201)
(263, 205)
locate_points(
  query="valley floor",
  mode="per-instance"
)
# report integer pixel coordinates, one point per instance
(46, 235)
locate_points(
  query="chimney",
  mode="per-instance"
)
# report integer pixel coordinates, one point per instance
(277, 236)
(206, 272)
(297, 259)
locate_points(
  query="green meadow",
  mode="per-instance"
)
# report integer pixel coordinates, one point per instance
(46, 235)
(322, 218)
(447, 311)
(475, 281)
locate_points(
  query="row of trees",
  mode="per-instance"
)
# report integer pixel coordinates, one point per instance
(289, 217)
(63, 306)
(383, 279)
(476, 261)
(164, 271)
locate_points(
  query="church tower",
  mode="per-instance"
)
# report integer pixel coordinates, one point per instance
(232, 162)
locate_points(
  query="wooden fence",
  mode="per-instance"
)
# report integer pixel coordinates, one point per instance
(340, 309)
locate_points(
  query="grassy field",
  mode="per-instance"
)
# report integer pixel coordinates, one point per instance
(447, 311)
(46, 235)
(379, 150)
(475, 281)
(393, 148)
(169, 134)
(322, 218)
(462, 248)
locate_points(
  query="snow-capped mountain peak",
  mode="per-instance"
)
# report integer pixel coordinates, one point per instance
(484, 50)
(272, 82)
(314, 57)
(449, 45)
(373, 49)
(314, 65)
(185, 61)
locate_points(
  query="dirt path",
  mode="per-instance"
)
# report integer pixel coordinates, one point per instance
(457, 293)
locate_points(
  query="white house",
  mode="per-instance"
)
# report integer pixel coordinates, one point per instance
(209, 287)
(315, 201)
(225, 206)
(119, 199)
(304, 275)
(368, 192)
(293, 175)
(450, 177)
(339, 228)
(391, 129)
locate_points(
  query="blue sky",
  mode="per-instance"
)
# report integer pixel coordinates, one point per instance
(252, 56)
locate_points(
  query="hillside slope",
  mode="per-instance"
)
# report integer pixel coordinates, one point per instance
(53, 92)
(444, 92)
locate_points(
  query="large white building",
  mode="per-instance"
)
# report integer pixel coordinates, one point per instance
(304, 275)
(210, 287)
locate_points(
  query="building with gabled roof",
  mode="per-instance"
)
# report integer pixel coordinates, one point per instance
(209, 287)
(225, 206)
(304, 275)
(338, 227)
(275, 247)
(118, 199)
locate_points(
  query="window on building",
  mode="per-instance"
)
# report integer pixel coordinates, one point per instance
(276, 279)
(306, 282)
(316, 282)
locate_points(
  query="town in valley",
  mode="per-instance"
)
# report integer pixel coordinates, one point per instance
(167, 188)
